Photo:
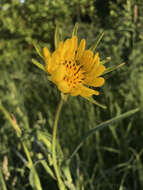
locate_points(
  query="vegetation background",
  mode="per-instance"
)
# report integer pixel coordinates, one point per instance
(110, 159)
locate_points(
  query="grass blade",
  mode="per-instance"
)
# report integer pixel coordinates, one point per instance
(2, 181)
(12, 122)
(101, 126)
(34, 179)
(46, 166)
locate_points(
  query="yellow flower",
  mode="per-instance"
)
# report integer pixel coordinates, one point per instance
(73, 69)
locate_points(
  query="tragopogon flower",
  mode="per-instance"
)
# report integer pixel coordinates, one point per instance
(73, 69)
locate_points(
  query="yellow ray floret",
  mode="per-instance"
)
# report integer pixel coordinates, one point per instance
(73, 69)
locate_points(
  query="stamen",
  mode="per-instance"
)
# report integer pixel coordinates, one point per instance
(78, 70)
(77, 62)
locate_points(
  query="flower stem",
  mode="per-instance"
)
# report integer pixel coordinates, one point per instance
(57, 172)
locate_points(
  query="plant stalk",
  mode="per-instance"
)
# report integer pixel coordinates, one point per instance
(55, 165)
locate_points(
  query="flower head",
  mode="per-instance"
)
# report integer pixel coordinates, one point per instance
(73, 69)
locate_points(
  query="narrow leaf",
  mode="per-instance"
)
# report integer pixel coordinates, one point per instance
(101, 126)
(30, 163)
(34, 179)
(38, 64)
(45, 165)
(46, 139)
(13, 122)
(95, 44)
(21, 157)
(2, 181)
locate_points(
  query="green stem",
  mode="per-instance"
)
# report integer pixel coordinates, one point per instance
(57, 172)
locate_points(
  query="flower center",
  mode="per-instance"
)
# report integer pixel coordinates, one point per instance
(74, 73)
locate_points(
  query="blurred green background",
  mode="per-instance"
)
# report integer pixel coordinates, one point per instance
(110, 159)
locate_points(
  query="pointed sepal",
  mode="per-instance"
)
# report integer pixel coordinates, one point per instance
(57, 36)
(38, 50)
(74, 33)
(91, 99)
(113, 68)
(105, 60)
(38, 65)
(95, 44)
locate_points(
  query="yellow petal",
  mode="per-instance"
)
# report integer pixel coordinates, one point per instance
(75, 91)
(87, 92)
(67, 44)
(63, 87)
(92, 63)
(96, 82)
(65, 48)
(46, 53)
(49, 65)
(96, 59)
(72, 47)
(100, 69)
(56, 58)
(60, 51)
(60, 46)
(86, 60)
(95, 72)
(80, 49)
(74, 41)
(58, 74)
